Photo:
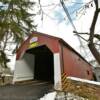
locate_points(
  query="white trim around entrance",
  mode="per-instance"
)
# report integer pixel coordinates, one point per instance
(57, 72)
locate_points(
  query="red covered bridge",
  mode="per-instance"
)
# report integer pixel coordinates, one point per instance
(47, 58)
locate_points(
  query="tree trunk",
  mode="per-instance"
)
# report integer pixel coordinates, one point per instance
(91, 45)
(95, 52)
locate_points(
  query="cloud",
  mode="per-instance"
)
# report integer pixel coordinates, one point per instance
(72, 6)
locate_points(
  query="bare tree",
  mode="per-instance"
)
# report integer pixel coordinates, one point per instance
(92, 46)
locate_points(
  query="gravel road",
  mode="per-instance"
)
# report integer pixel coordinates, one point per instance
(29, 91)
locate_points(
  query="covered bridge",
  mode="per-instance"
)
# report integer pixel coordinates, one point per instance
(48, 58)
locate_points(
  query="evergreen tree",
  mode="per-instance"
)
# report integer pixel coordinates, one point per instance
(15, 23)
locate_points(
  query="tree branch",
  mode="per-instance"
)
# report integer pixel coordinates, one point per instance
(77, 33)
(92, 28)
(81, 33)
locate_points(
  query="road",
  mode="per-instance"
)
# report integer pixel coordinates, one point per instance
(29, 91)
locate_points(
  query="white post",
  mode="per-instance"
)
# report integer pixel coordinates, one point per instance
(57, 72)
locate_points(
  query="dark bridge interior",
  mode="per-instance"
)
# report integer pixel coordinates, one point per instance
(44, 65)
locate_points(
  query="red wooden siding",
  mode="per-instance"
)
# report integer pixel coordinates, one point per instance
(74, 65)
(51, 43)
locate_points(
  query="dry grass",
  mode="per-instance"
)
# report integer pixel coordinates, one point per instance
(85, 90)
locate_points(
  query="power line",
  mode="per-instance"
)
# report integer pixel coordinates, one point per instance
(67, 13)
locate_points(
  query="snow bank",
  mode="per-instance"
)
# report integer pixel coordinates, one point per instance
(49, 96)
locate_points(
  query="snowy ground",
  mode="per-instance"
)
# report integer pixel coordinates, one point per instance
(49, 96)
(61, 96)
